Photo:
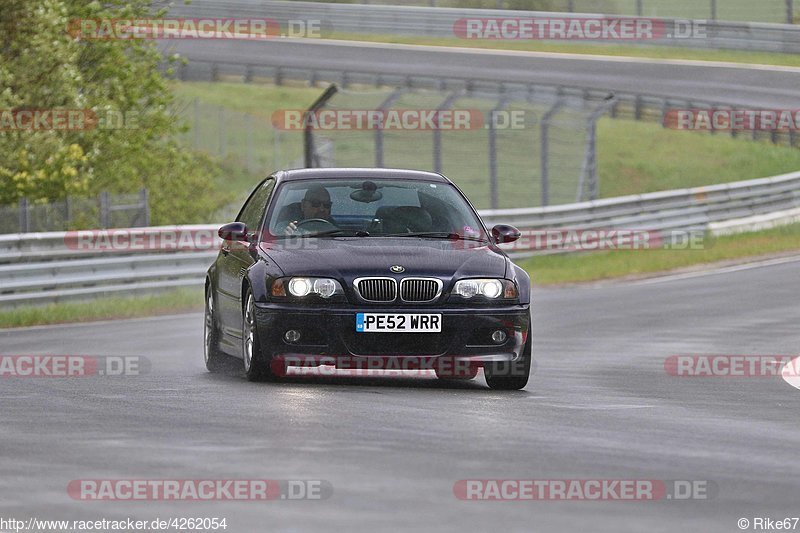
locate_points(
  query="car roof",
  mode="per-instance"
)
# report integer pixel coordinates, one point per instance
(359, 173)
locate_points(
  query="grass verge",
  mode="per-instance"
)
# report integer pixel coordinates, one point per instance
(114, 307)
(596, 266)
(645, 52)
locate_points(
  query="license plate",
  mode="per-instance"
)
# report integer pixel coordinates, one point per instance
(403, 323)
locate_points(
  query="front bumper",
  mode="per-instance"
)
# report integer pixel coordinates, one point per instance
(328, 336)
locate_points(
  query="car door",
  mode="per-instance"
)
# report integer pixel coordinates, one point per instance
(235, 258)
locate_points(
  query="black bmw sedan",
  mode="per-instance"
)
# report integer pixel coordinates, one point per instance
(367, 268)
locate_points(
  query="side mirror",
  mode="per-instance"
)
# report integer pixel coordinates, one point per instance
(503, 234)
(235, 231)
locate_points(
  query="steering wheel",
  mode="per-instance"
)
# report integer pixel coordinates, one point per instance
(321, 222)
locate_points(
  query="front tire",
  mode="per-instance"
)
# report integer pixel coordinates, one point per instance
(256, 364)
(512, 375)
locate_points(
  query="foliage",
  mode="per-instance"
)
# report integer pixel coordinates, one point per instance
(44, 67)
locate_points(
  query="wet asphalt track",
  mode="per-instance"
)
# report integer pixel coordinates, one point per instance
(600, 406)
(758, 87)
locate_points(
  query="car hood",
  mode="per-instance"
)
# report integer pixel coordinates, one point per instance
(350, 258)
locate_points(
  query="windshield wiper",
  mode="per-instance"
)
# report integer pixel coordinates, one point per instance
(437, 235)
(336, 233)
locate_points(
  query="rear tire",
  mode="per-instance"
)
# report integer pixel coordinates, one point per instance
(510, 375)
(214, 358)
(256, 364)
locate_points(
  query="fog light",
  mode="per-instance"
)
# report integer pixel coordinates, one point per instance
(499, 337)
(292, 336)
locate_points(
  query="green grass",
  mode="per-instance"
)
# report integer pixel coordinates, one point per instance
(115, 307)
(656, 52)
(639, 157)
(595, 266)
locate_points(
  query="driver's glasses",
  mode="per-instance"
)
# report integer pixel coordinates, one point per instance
(316, 204)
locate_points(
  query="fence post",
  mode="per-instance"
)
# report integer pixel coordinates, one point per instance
(639, 8)
(249, 141)
(308, 125)
(437, 132)
(493, 196)
(24, 216)
(544, 157)
(789, 12)
(196, 124)
(391, 99)
(713, 9)
(221, 130)
(589, 169)
(105, 210)
(144, 199)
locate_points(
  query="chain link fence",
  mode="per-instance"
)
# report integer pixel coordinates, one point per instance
(104, 211)
(242, 139)
(518, 149)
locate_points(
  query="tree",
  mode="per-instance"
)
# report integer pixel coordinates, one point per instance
(119, 83)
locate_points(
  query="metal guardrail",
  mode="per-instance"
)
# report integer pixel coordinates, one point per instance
(440, 21)
(39, 268)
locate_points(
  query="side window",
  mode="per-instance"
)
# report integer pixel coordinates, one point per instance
(253, 210)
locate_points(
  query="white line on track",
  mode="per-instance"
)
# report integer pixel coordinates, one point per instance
(553, 55)
(714, 272)
(790, 373)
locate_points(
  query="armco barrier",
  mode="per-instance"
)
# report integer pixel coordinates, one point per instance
(38, 268)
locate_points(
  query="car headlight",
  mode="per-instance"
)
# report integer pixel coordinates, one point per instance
(492, 289)
(300, 287)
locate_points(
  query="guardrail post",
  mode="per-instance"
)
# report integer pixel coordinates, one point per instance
(713, 9)
(571, 6)
(639, 8)
(789, 12)
(105, 210)
(24, 216)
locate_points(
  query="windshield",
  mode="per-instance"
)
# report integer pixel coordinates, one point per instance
(374, 208)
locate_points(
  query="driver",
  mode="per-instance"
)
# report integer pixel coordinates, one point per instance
(316, 204)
